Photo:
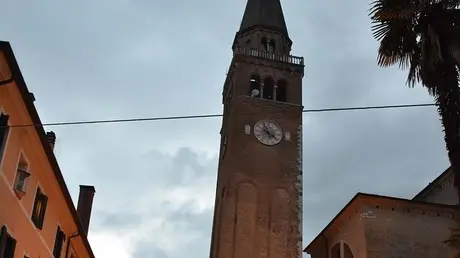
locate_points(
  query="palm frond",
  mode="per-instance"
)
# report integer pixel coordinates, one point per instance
(393, 23)
(398, 43)
(385, 10)
(450, 3)
(428, 75)
(440, 26)
(433, 45)
(380, 29)
(449, 32)
(454, 51)
(415, 74)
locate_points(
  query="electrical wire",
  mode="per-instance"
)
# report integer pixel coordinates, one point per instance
(216, 115)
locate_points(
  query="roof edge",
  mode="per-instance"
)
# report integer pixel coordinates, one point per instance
(432, 183)
(349, 203)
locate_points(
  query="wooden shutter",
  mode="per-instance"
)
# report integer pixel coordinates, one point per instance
(7, 244)
(3, 120)
(58, 243)
(41, 217)
(3, 129)
(10, 247)
(3, 239)
(35, 215)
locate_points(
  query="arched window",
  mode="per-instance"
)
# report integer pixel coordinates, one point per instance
(335, 251)
(269, 86)
(281, 90)
(347, 251)
(264, 43)
(271, 46)
(254, 86)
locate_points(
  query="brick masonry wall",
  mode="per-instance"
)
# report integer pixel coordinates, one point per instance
(442, 192)
(261, 207)
(406, 232)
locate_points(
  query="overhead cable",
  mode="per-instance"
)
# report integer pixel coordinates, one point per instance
(218, 115)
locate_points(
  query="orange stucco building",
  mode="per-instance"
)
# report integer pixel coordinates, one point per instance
(37, 216)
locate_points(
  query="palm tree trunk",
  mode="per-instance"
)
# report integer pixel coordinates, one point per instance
(448, 102)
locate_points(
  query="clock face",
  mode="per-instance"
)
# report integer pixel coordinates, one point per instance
(268, 132)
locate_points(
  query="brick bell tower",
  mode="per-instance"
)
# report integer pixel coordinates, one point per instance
(258, 207)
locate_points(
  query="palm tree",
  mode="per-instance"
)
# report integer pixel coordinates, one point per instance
(423, 36)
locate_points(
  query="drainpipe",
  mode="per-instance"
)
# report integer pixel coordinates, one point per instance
(68, 243)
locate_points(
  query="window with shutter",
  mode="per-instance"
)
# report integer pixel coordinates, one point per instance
(4, 130)
(3, 237)
(39, 210)
(22, 177)
(10, 247)
(58, 242)
(7, 244)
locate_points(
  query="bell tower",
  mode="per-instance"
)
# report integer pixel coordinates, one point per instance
(258, 207)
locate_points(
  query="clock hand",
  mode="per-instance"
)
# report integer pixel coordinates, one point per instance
(266, 128)
(270, 134)
(268, 131)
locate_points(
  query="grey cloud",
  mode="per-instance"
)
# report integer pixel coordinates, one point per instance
(147, 249)
(115, 221)
(187, 220)
(153, 171)
(117, 208)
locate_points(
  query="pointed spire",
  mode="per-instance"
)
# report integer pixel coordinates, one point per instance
(264, 13)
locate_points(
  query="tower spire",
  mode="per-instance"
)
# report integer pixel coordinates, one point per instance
(264, 13)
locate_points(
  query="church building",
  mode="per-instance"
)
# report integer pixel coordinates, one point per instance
(375, 226)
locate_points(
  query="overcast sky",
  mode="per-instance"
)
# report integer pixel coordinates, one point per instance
(155, 181)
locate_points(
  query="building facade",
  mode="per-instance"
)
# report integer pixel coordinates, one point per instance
(37, 215)
(258, 197)
(374, 226)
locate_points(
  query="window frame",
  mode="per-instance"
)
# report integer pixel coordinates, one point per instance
(5, 137)
(6, 239)
(59, 241)
(40, 219)
(22, 168)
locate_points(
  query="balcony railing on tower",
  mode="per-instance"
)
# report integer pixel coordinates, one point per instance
(269, 55)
